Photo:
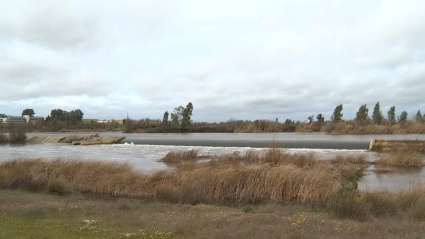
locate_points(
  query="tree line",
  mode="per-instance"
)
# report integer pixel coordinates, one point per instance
(377, 115)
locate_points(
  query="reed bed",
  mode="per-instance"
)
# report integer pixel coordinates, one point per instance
(406, 202)
(349, 159)
(401, 159)
(180, 156)
(218, 181)
(369, 127)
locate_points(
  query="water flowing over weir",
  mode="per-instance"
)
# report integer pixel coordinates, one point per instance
(147, 149)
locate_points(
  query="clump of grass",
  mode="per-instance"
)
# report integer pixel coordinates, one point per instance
(406, 146)
(180, 156)
(401, 159)
(274, 156)
(349, 159)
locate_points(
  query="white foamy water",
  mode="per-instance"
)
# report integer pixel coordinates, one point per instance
(143, 157)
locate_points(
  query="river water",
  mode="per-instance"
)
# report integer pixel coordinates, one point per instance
(144, 150)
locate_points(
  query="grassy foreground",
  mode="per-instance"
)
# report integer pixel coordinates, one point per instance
(26, 214)
(269, 194)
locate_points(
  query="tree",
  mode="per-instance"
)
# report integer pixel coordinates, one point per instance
(187, 113)
(337, 115)
(320, 118)
(403, 117)
(75, 116)
(363, 112)
(289, 121)
(391, 115)
(29, 112)
(419, 116)
(311, 118)
(165, 118)
(181, 116)
(57, 114)
(377, 114)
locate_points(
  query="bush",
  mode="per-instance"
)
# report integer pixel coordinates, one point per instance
(17, 135)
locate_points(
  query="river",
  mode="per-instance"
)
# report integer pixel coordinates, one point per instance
(144, 150)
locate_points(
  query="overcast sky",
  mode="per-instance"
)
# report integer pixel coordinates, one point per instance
(232, 59)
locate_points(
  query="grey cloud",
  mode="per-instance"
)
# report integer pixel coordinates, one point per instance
(51, 25)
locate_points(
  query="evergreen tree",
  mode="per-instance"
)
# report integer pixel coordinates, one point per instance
(337, 115)
(377, 114)
(403, 117)
(165, 118)
(29, 112)
(391, 115)
(419, 116)
(363, 112)
(320, 118)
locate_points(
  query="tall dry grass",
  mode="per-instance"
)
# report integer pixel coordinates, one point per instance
(214, 181)
(180, 156)
(401, 159)
(406, 203)
(368, 127)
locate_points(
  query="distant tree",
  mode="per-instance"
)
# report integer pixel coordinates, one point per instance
(277, 120)
(29, 112)
(175, 118)
(181, 116)
(128, 125)
(363, 112)
(391, 115)
(165, 118)
(320, 118)
(57, 114)
(419, 116)
(75, 116)
(403, 117)
(337, 115)
(377, 114)
(289, 121)
(187, 113)
(311, 118)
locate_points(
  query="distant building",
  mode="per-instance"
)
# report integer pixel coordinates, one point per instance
(14, 119)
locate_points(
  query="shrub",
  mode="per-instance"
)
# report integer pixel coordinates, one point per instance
(17, 135)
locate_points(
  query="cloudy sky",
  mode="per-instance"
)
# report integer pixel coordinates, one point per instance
(246, 59)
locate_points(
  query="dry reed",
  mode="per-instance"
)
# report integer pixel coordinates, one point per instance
(410, 201)
(220, 182)
(349, 159)
(180, 156)
(401, 159)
